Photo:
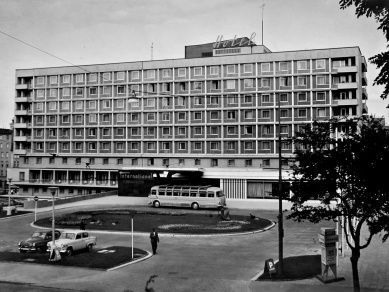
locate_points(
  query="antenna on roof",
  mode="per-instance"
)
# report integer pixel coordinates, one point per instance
(152, 45)
(263, 8)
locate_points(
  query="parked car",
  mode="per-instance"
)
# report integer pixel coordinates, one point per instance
(38, 241)
(73, 240)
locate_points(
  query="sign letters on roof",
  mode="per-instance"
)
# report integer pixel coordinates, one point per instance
(241, 42)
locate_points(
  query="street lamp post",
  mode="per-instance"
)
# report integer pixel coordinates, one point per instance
(53, 190)
(280, 219)
(9, 197)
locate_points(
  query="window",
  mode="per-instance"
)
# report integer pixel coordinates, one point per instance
(78, 146)
(230, 69)
(265, 67)
(214, 130)
(248, 114)
(231, 115)
(283, 97)
(302, 81)
(150, 161)
(134, 145)
(338, 63)
(284, 146)
(283, 66)
(214, 70)
(65, 146)
(248, 83)
(92, 118)
(38, 160)
(181, 101)
(181, 116)
(150, 117)
(166, 73)
(302, 96)
(266, 130)
(66, 91)
(165, 101)
(197, 146)
(165, 145)
(40, 93)
(79, 132)
(232, 99)
(214, 145)
(26, 160)
(165, 116)
(40, 80)
(66, 79)
(320, 64)
(53, 92)
(302, 65)
(52, 119)
(214, 100)
(248, 99)
(320, 96)
(106, 76)
(198, 71)
(231, 162)
(135, 74)
(150, 131)
(105, 161)
(248, 130)
(79, 104)
(65, 105)
(197, 115)
(284, 113)
(120, 76)
(248, 68)
(321, 112)
(120, 117)
(150, 146)
(65, 119)
(120, 146)
(197, 85)
(93, 77)
(79, 78)
(230, 84)
(39, 119)
(181, 72)
(165, 161)
(265, 98)
(92, 132)
(119, 161)
(214, 115)
(231, 130)
(135, 131)
(52, 105)
(197, 100)
(52, 133)
(266, 162)
(283, 81)
(265, 82)
(106, 104)
(181, 131)
(266, 114)
(78, 119)
(53, 79)
(197, 161)
(321, 80)
(121, 89)
(198, 131)
(105, 146)
(150, 74)
(79, 91)
(248, 145)
(106, 132)
(182, 146)
(302, 112)
(165, 131)
(284, 130)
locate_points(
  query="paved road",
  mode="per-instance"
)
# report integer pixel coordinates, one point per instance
(190, 263)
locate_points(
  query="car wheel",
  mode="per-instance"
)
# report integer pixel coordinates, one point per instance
(22, 251)
(40, 249)
(156, 204)
(195, 206)
(90, 247)
(69, 251)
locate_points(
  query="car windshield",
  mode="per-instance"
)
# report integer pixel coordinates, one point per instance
(39, 234)
(67, 236)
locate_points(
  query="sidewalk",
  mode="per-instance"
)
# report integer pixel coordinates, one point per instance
(373, 264)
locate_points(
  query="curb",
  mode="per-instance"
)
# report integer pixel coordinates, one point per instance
(17, 216)
(254, 279)
(149, 255)
(167, 234)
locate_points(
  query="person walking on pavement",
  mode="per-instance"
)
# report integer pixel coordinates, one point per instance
(154, 240)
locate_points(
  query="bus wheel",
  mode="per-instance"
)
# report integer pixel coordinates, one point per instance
(156, 204)
(195, 206)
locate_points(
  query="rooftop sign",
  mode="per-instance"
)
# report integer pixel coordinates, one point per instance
(241, 42)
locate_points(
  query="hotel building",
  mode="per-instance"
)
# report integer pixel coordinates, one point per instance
(211, 116)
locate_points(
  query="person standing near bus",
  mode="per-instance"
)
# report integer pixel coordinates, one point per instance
(154, 240)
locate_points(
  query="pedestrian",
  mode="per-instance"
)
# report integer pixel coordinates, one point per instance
(154, 240)
(82, 225)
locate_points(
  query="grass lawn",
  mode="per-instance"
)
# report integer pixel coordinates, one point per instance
(4, 213)
(295, 268)
(168, 222)
(83, 259)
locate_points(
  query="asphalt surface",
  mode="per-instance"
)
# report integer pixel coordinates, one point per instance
(215, 263)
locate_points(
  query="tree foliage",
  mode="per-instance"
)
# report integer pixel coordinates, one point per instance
(348, 170)
(379, 9)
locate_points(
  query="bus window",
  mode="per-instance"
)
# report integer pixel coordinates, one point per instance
(185, 194)
(154, 192)
(193, 194)
(161, 193)
(211, 195)
(176, 193)
(203, 194)
(169, 193)
(219, 194)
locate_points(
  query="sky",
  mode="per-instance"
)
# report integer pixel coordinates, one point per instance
(112, 31)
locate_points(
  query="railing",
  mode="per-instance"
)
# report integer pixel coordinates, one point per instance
(72, 182)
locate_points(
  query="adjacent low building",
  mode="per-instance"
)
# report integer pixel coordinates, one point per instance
(211, 117)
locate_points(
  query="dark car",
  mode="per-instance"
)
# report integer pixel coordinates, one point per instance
(38, 241)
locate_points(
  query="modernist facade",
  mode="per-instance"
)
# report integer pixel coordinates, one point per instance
(214, 112)
(5, 156)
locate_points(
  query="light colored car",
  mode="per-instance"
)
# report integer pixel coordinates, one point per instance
(74, 240)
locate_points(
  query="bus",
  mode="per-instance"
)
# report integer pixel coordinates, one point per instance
(194, 197)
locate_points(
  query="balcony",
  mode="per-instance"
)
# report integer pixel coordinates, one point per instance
(20, 112)
(346, 85)
(345, 69)
(21, 99)
(20, 125)
(365, 109)
(20, 151)
(344, 102)
(364, 64)
(20, 138)
(364, 94)
(21, 86)
(364, 80)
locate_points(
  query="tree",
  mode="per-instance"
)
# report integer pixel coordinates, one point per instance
(349, 172)
(380, 10)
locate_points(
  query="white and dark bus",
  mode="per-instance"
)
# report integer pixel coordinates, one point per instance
(187, 196)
